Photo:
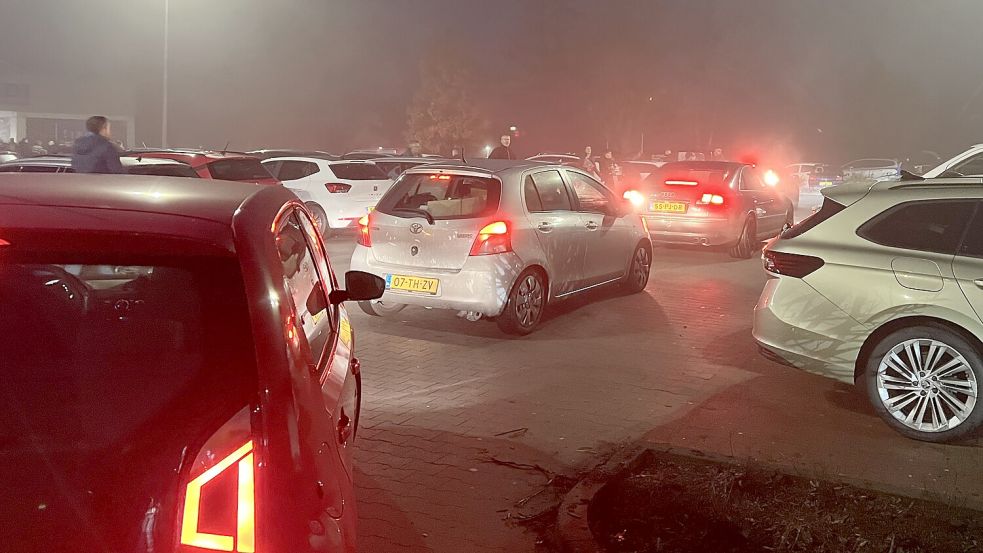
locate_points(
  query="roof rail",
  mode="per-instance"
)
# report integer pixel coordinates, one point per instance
(931, 183)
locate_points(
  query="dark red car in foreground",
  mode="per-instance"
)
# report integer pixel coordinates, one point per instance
(178, 370)
(215, 165)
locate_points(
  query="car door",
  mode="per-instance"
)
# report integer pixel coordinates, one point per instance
(325, 426)
(770, 207)
(608, 242)
(557, 227)
(967, 266)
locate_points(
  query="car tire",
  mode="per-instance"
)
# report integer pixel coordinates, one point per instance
(905, 397)
(378, 308)
(747, 242)
(320, 218)
(526, 303)
(639, 267)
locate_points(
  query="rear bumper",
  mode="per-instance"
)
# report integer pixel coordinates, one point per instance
(482, 285)
(797, 326)
(692, 230)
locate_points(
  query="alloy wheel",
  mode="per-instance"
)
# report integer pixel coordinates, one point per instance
(640, 267)
(927, 385)
(529, 301)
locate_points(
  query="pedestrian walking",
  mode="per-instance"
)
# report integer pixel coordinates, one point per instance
(504, 151)
(587, 164)
(93, 152)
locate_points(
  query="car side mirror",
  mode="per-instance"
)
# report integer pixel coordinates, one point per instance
(359, 286)
(316, 302)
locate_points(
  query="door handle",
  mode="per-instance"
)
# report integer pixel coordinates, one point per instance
(591, 225)
(978, 282)
(545, 227)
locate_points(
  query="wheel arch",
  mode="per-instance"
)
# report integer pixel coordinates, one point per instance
(906, 322)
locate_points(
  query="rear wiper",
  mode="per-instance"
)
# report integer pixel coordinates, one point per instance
(418, 212)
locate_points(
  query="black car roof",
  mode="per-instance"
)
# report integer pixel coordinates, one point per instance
(213, 200)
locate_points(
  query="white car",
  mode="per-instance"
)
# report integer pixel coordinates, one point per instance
(968, 163)
(872, 169)
(338, 192)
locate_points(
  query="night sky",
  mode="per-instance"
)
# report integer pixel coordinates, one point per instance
(823, 79)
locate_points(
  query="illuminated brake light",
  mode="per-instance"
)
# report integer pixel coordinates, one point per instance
(493, 238)
(440, 177)
(711, 199)
(771, 178)
(244, 540)
(3, 243)
(635, 197)
(682, 183)
(364, 237)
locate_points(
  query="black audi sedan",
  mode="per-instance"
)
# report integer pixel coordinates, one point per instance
(177, 370)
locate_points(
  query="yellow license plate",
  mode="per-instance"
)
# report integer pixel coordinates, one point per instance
(413, 284)
(669, 207)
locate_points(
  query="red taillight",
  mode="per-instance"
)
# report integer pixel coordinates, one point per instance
(337, 187)
(440, 177)
(243, 539)
(711, 199)
(493, 238)
(4, 242)
(676, 182)
(364, 234)
(791, 264)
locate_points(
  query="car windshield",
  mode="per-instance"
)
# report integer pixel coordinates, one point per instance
(684, 175)
(357, 171)
(443, 196)
(141, 357)
(244, 168)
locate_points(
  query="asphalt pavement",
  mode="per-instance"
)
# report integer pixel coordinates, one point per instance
(462, 427)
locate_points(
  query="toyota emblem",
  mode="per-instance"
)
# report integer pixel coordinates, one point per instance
(416, 228)
(414, 250)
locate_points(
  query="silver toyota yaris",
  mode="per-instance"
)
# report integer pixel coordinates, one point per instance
(499, 239)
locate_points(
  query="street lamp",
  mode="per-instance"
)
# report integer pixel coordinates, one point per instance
(488, 150)
(513, 128)
(163, 125)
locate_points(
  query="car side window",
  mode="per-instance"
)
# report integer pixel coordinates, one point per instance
(548, 192)
(301, 279)
(972, 166)
(294, 170)
(972, 245)
(751, 181)
(929, 226)
(591, 195)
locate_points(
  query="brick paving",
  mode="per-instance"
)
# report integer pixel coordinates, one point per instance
(674, 366)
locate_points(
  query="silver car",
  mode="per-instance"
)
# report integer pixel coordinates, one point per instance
(499, 239)
(872, 170)
(883, 287)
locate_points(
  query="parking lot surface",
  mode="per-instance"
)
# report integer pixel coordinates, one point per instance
(458, 419)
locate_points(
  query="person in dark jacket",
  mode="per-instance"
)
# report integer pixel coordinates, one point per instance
(93, 152)
(503, 151)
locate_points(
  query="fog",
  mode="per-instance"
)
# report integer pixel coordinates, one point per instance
(812, 79)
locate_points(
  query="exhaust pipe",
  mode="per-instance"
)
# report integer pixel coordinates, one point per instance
(472, 316)
(704, 242)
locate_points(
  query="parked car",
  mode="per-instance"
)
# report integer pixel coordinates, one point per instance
(872, 169)
(214, 165)
(712, 203)
(968, 163)
(7, 156)
(267, 154)
(393, 167)
(179, 372)
(337, 193)
(132, 165)
(499, 239)
(882, 288)
(802, 172)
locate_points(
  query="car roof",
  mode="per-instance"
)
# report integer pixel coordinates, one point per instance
(55, 160)
(66, 161)
(490, 166)
(185, 154)
(408, 159)
(217, 201)
(269, 154)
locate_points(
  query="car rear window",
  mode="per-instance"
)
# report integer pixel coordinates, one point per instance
(672, 175)
(931, 226)
(443, 196)
(358, 171)
(112, 368)
(163, 170)
(238, 169)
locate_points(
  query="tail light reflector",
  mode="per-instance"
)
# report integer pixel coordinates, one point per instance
(244, 538)
(337, 187)
(711, 199)
(364, 234)
(493, 238)
(791, 264)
